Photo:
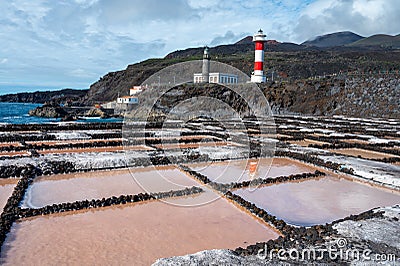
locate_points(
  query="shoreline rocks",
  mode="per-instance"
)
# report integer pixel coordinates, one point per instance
(97, 112)
(48, 111)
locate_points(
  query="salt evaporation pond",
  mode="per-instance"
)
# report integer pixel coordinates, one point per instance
(240, 170)
(6, 189)
(47, 190)
(307, 142)
(364, 153)
(318, 201)
(170, 146)
(133, 234)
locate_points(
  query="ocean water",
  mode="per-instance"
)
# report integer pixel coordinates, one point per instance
(17, 113)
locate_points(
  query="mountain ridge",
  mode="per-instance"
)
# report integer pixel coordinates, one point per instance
(334, 39)
(382, 40)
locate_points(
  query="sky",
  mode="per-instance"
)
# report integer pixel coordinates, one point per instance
(47, 44)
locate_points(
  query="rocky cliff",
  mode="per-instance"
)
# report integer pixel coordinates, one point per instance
(118, 83)
(358, 96)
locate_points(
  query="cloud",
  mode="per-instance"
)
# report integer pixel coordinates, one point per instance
(137, 11)
(229, 37)
(365, 17)
(59, 38)
(81, 73)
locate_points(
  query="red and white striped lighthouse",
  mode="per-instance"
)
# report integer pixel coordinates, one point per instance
(258, 75)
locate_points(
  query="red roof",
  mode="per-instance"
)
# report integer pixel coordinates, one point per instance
(127, 97)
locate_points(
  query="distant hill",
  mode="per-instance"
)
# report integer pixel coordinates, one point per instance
(44, 96)
(334, 39)
(245, 40)
(381, 40)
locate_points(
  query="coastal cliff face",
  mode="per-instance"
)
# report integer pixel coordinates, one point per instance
(118, 83)
(359, 96)
(349, 96)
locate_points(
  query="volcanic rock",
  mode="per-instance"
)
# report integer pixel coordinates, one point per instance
(48, 111)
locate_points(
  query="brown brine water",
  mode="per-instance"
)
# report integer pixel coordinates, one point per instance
(134, 234)
(318, 201)
(6, 189)
(48, 190)
(364, 153)
(243, 170)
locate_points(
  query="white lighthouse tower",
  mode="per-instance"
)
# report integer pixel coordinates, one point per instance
(206, 66)
(258, 75)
